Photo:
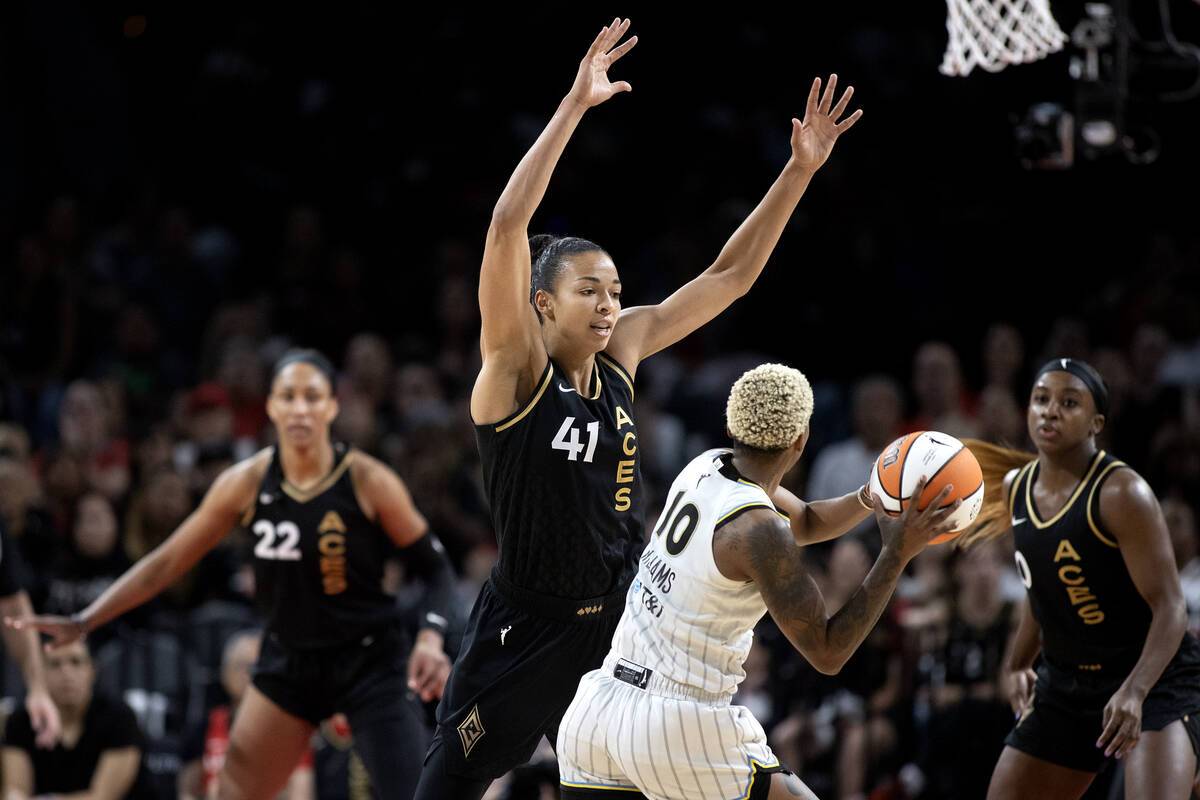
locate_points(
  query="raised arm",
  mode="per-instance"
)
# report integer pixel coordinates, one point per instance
(513, 355)
(822, 520)
(231, 494)
(1129, 510)
(645, 330)
(758, 546)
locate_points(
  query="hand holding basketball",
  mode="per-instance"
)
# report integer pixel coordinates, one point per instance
(592, 86)
(813, 139)
(914, 528)
(943, 460)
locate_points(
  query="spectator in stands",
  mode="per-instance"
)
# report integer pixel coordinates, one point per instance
(87, 435)
(844, 466)
(1181, 522)
(963, 642)
(99, 754)
(942, 401)
(1003, 357)
(90, 562)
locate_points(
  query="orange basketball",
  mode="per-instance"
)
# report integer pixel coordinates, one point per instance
(943, 459)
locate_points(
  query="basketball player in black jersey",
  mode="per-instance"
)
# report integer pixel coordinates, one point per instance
(326, 518)
(553, 411)
(1101, 665)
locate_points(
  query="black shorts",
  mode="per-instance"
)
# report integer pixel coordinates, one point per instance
(368, 682)
(515, 676)
(1067, 715)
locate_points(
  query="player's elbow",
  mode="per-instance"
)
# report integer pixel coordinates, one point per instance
(828, 665)
(507, 218)
(826, 660)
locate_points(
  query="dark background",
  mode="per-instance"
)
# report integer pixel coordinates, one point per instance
(187, 189)
(400, 125)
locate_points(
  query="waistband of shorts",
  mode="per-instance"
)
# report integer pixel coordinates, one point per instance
(563, 609)
(662, 686)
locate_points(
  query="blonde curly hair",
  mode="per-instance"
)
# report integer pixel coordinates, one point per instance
(769, 407)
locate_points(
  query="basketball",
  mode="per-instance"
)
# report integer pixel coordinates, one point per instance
(941, 457)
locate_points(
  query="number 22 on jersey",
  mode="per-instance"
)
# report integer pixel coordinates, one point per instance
(277, 542)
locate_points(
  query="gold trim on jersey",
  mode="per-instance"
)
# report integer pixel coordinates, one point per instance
(1033, 516)
(619, 370)
(304, 495)
(533, 401)
(1091, 521)
(743, 507)
(602, 787)
(596, 377)
(1016, 487)
(755, 767)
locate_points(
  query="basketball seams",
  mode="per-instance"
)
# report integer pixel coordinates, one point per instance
(959, 468)
(939, 471)
(904, 463)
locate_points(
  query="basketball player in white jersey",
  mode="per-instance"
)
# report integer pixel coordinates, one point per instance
(655, 720)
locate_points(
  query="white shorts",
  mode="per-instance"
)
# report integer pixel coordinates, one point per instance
(617, 736)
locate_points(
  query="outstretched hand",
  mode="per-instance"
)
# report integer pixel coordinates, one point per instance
(592, 86)
(813, 139)
(62, 630)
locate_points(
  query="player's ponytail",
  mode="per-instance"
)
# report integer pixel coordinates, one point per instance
(996, 462)
(547, 258)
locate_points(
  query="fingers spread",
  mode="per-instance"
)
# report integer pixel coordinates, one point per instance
(914, 498)
(827, 97)
(598, 41)
(814, 93)
(840, 108)
(615, 31)
(845, 124)
(622, 50)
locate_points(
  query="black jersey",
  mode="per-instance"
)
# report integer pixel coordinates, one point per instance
(1093, 618)
(563, 479)
(318, 560)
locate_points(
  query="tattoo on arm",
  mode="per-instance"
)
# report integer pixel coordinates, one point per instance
(773, 561)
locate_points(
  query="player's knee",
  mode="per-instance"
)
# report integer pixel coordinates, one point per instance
(227, 787)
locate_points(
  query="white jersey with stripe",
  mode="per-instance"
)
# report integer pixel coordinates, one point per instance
(683, 619)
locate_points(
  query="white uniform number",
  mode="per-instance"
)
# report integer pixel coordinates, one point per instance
(277, 542)
(572, 444)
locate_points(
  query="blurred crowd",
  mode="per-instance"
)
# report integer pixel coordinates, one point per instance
(233, 189)
(127, 383)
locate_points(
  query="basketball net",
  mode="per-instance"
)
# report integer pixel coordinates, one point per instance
(995, 33)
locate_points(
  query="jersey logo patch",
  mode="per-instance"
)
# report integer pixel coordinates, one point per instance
(562, 388)
(471, 731)
(331, 522)
(265, 499)
(585, 610)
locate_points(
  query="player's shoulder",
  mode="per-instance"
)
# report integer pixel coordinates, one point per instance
(1123, 487)
(249, 471)
(236, 485)
(367, 470)
(753, 542)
